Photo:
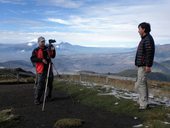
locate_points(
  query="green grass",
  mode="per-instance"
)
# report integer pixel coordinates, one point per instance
(88, 96)
(15, 81)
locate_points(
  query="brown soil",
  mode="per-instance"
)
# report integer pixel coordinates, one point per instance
(20, 98)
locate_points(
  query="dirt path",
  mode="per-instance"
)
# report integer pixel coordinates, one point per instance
(20, 98)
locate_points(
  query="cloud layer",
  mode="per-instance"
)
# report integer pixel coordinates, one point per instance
(97, 23)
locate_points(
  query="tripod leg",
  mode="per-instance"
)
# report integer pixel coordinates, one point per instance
(45, 92)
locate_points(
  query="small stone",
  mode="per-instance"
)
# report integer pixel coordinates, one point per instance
(135, 118)
(116, 103)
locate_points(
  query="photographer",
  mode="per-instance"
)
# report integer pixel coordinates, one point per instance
(41, 57)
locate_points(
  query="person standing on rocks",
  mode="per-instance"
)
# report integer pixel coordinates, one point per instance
(144, 61)
(41, 57)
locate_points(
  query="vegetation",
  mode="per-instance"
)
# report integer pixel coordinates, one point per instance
(153, 118)
(68, 123)
(8, 119)
(89, 96)
(16, 75)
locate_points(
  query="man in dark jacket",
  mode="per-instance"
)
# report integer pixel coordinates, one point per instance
(41, 57)
(144, 61)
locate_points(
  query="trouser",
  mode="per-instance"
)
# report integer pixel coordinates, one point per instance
(141, 86)
(40, 87)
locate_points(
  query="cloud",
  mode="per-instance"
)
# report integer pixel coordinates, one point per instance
(60, 21)
(113, 18)
(123, 19)
(89, 22)
(86, 39)
(61, 3)
(110, 39)
(72, 21)
(12, 2)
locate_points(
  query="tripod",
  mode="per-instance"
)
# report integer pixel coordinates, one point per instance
(48, 73)
(46, 86)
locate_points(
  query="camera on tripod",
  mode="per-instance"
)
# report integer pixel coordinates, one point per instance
(50, 46)
(51, 41)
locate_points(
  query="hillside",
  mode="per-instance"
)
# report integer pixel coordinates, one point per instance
(13, 75)
(73, 58)
(166, 64)
(65, 48)
(158, 76)
(162, 52)
(161, 67)
(16, 64)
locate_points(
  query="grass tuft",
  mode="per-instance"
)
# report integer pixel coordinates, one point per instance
(7, 118)
(68, 123)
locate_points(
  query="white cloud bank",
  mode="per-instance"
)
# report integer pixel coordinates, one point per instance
(107, 24)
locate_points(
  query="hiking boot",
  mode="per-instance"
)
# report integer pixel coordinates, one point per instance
(36, 102)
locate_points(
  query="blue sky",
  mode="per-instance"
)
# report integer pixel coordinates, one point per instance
(108, 23)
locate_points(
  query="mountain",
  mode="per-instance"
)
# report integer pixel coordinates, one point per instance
(71, 58)
(17, 47)
(160, 72)
(152, 76)
(74, 58)
(162, 52)
(23, 51)
(159, 67)
(166, 64)
(66, 48)
(10, 52)
(127, 73)
(17, 64)
(101, 63)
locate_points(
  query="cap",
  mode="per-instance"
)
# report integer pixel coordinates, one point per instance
(40, 39)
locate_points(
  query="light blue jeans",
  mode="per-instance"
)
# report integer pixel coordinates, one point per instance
(141, 87)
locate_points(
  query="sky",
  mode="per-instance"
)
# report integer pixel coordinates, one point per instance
(96, 23)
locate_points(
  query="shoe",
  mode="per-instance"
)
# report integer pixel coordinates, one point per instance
(36, 102)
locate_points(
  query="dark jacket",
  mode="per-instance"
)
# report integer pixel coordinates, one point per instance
(145, 52)
(38, 55)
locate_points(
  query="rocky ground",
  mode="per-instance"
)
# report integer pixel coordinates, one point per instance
(20, 98)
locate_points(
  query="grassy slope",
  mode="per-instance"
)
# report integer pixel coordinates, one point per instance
(152, 118)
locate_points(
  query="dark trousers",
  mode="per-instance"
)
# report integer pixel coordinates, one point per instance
(40, 86)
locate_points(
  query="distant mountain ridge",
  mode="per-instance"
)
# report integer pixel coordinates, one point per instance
(26, 65)
(65, 47)
(74, 58)
(23, 51)
(159, 76)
